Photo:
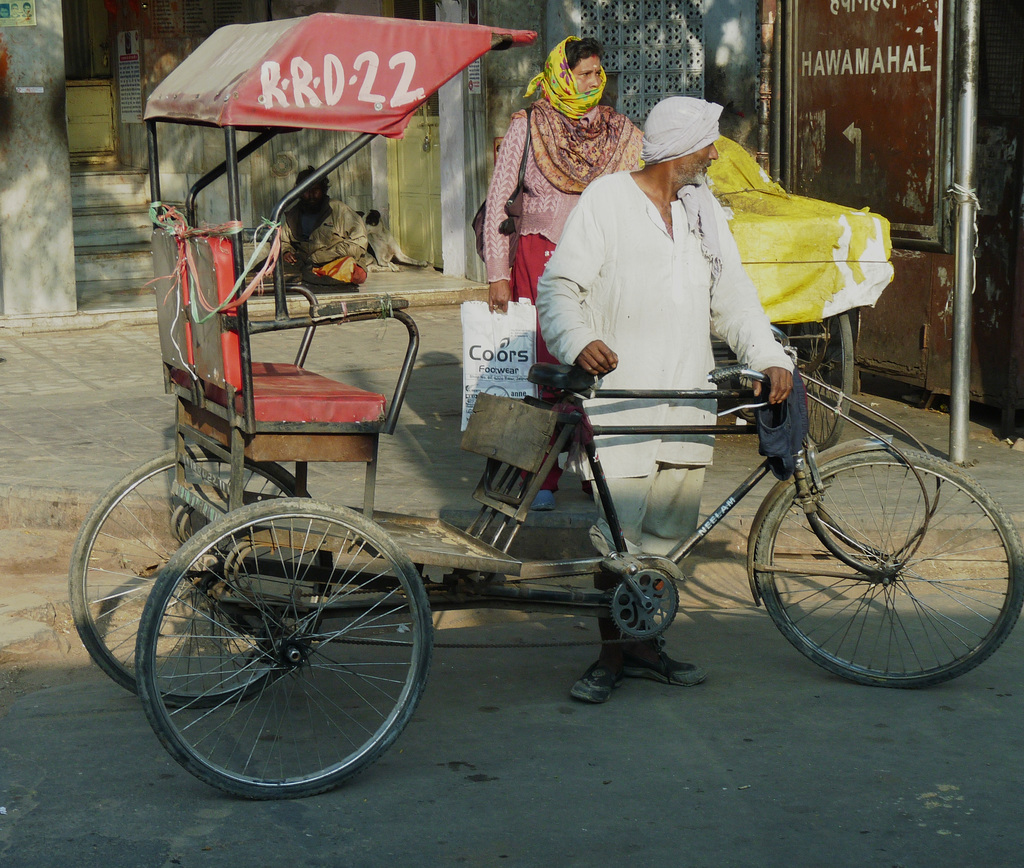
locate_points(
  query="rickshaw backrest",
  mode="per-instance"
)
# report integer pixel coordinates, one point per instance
(203, 351)
(191, 338)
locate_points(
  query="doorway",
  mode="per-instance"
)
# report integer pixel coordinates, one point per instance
(414, 166)
(87, 68)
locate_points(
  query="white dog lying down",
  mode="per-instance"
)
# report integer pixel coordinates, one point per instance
(383, 248)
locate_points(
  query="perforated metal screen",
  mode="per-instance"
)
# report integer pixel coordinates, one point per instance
(655, 48)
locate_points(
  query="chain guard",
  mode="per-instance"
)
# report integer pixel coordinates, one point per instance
(645, 604)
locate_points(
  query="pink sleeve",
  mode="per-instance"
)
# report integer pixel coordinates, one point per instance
(506, 174)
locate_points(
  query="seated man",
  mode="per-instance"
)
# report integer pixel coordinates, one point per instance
(322, 237)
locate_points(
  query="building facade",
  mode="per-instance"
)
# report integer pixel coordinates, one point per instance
(74, 223)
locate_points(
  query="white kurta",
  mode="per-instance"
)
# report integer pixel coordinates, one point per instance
(618, 276)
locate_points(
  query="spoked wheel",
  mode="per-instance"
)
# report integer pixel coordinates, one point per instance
(941, 582)
(127, 538)
(283, 649)
(825, 351)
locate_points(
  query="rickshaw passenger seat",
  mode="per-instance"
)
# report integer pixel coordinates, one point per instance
(295, 414)
(288, 393)
(282, 392)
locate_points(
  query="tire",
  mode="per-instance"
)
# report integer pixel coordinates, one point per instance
(283, 649)
(947, 583)
(125, 541)
(825, 352)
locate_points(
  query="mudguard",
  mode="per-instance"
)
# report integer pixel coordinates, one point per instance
(840, 450)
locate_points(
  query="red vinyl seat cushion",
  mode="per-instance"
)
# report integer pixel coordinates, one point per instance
(286, 393)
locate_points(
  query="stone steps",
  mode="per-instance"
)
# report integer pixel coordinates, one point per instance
(101, 187)
(99, 296)
(110, 208)
(114, 262)
(106, 226)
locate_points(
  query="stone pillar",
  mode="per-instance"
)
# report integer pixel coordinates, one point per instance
(37, 250)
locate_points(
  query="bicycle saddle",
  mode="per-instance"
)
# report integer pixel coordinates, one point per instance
(565, 378)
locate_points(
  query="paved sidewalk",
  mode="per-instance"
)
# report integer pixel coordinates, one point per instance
(79, 409)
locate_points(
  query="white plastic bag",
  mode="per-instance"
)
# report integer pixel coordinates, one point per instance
(497, 352)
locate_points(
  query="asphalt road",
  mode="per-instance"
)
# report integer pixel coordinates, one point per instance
(772, 762)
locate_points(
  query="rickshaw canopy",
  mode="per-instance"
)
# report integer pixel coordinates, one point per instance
(332, 72)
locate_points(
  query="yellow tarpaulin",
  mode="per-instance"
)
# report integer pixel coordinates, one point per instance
(808, 259)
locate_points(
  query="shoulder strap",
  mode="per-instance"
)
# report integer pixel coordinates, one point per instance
(522, 163)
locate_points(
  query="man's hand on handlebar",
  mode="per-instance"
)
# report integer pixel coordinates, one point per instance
(781, 383)
(597, 358)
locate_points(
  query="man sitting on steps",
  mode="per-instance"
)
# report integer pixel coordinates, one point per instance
(322, 238)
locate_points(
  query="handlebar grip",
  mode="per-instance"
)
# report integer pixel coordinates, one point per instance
(563, 378)
(720, 375)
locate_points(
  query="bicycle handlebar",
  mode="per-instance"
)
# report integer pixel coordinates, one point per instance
(720, 375)
(573, 378)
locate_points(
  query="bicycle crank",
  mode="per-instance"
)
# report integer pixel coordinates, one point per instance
(644, 603)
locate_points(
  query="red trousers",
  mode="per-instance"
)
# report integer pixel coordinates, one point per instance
(532, 256)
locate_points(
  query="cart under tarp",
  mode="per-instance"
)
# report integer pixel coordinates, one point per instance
(351, 73)
(809, 259)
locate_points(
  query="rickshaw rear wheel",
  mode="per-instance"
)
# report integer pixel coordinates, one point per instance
(126, 539)
(283, 649)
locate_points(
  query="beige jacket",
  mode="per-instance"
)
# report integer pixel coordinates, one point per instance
(340, 232)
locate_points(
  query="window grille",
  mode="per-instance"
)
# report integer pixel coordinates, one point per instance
(654, 48)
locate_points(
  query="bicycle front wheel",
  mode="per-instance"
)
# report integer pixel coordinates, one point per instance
(941, 583)
(127, 538)
(283, 649)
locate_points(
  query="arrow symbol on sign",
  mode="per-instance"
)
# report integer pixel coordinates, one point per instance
(853, 134)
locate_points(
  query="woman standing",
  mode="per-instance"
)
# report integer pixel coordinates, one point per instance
(573, 140)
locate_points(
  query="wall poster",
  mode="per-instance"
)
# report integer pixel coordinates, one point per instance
(129, 76)
(18, 14)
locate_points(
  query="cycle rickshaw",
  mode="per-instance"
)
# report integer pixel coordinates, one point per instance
(284, 642)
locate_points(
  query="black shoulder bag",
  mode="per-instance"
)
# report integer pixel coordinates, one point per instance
(513, 207)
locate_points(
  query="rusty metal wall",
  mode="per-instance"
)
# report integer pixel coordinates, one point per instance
(909, 334)
(865, 96)
(894, 335)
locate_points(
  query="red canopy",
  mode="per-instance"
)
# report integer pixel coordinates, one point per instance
(329, 72)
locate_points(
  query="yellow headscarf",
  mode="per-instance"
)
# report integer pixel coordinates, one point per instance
(559, 86)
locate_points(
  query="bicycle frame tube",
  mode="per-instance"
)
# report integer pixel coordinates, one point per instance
(683, 549)
(680, 551)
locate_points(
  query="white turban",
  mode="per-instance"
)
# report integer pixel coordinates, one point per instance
(679, 125)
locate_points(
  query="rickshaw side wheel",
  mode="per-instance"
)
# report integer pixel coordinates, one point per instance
(126, 539)
(283, 649)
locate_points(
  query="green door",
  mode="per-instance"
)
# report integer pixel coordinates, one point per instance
(414, 165)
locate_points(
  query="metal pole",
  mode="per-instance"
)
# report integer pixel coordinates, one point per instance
(779, 48)
(966, 199)
(766, 19)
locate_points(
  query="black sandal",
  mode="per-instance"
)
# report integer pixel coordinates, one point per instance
(665, 669)
(596, 684)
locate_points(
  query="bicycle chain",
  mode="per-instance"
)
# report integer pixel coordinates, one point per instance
(562, 644)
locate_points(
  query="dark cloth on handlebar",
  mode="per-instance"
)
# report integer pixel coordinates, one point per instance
(781, 428)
